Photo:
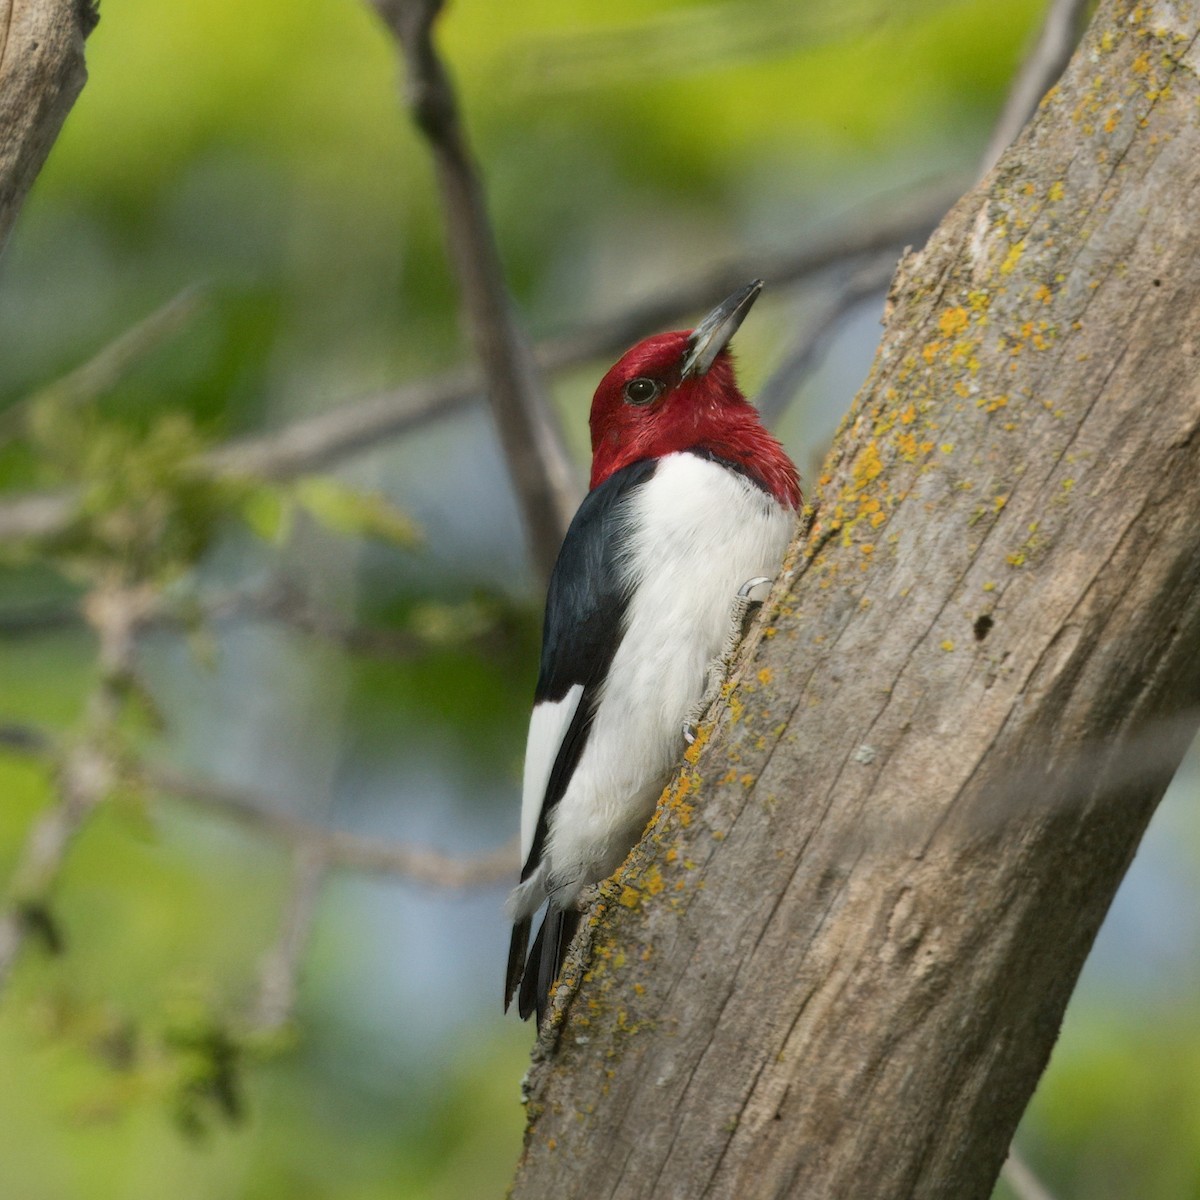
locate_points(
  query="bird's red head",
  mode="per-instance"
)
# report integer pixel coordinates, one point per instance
(677, 391)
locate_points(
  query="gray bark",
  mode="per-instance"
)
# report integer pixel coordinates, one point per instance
(837, 964)
(41, 73)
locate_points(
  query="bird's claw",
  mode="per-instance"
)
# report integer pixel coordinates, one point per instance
(750, 584)
(689, 733)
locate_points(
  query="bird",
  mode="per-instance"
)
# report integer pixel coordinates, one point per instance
(691, 502)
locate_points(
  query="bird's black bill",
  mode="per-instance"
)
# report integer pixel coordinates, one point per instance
(712, 335)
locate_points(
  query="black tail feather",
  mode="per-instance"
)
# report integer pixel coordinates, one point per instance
(545, 960)
(516, 959)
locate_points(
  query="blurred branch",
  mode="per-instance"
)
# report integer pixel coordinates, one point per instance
(318, 442)
(41, 72)
(905, 221)
(36, 515)
(321, 441)
(471, 623)
(1024, 1183)
(86, 774)
(280, 971)
(1046, 61)
(337, 848)
(541, 469)
(89, 771)
(813, 338)
(109, 364)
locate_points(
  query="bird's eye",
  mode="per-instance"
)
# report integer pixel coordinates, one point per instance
(642, 390)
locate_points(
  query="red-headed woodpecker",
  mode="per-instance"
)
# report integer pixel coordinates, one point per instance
(690, 498)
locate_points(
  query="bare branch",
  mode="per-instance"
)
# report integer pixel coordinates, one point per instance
(269, 817)
(86, 775)
(321, 441)
(36, 515)
(541, 469)
(1060, 34)
(280, 971)
(813, 339)
(317, 442)
(336, 847)
(906, 220)
(110, 363)
(482, 624)
(41, 72)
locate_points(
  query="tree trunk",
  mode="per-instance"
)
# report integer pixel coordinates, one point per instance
(837, 964)
(41, 73)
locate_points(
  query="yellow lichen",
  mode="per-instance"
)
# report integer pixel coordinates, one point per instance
(952, 321)
(692, 753)
(1012, 257)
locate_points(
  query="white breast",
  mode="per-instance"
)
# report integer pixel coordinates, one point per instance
(698, 531)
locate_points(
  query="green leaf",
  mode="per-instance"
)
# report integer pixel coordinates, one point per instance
(360, 514)
(268, 513)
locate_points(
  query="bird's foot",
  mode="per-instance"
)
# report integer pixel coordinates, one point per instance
(749, 597)
(589, 895)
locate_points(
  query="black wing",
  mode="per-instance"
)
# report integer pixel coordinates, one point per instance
(585, 614)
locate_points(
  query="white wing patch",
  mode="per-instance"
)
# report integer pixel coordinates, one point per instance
(547, 727)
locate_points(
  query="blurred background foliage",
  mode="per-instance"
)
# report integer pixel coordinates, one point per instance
(258, 154)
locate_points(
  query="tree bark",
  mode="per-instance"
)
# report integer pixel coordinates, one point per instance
(838, 962)
(41, 72)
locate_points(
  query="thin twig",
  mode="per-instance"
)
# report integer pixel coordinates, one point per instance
(1056, 42)
(321, 441)
(110, 363)
(813, 339)
(86, 775)
(1024, 1183)
(279, 974)
(337, 848)
(475, 624)
(36, 515)
(541, 469)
